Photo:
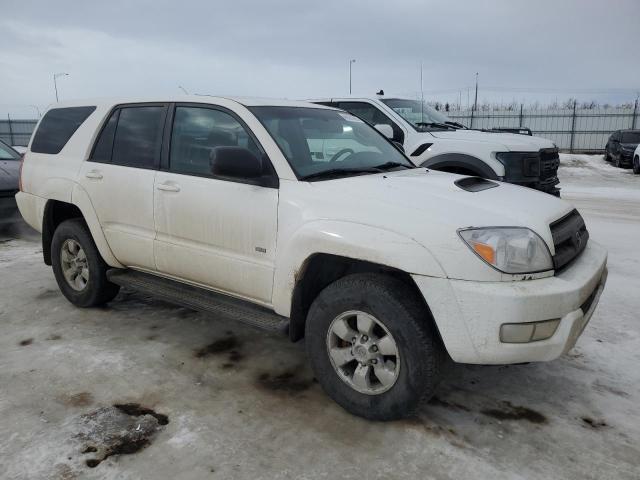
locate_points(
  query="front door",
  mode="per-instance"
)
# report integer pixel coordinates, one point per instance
(212, 231)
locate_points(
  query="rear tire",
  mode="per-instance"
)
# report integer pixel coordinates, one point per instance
(411, 375)
(636, 165)
(79, 269)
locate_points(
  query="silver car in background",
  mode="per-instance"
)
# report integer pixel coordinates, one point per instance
(9, 175)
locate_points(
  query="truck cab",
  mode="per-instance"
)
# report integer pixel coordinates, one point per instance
(433, 140)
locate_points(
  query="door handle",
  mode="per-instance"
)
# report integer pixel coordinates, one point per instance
(94, 174)
(168, 187)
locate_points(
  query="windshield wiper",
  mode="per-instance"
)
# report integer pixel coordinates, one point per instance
(390, 165)
(456, 124)
(434, 124)
(339, 171)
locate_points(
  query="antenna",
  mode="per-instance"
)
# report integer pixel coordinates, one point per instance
(421, 96)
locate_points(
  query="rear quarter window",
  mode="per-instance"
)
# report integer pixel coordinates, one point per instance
(57, 127)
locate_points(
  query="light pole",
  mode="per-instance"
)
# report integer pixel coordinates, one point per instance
(55, 81)
(183, 89)
(475, 102)
(351, 62)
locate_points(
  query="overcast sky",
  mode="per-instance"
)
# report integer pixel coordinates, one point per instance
(522, 49)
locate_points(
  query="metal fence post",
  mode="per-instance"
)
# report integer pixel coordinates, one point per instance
(521, 105)
(10, 130)
(635, 113)
(573, 126)
(471, 125)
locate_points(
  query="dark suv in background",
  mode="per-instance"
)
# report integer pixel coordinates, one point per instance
(9, 172)
(620, 147)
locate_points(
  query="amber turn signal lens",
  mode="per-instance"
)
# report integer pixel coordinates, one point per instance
(486, 252)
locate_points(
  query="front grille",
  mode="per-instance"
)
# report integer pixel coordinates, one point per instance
(549, 163)
(570, 237)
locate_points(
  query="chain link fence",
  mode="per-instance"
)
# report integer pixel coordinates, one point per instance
(572, 130)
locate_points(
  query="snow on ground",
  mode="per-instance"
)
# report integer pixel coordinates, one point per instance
(251, 408)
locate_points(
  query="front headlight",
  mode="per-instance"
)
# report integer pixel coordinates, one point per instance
(520, 164)
(509, 249)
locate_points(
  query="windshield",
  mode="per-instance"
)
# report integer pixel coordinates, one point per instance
(8, 153)
(630, 137)
(323, 143)
(417, 113)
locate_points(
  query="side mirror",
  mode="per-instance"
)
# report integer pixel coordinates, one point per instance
(235, 162)
(385, 129)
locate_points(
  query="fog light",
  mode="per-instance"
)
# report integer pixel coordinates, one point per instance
(528, 332)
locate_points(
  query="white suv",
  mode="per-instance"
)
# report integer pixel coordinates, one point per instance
(433, 140)
(304, 219)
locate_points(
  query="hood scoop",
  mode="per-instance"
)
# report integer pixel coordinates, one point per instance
(475, 184)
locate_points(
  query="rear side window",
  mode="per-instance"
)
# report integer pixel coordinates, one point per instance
(57, 127)
(104, 145)
(138, 137)
(8, 153)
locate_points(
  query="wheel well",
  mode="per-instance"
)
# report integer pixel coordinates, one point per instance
(319, 271)
(55, 212)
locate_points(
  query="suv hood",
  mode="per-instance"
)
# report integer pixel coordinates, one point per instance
(509, 141)
(9, 171)
(428, 207)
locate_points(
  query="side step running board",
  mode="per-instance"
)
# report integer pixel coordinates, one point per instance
(200, 299)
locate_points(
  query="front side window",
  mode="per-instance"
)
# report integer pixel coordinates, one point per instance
(138, 136)
(56, 128)
(322, 143)
(197, 132)
(8, 153)
(418, 114)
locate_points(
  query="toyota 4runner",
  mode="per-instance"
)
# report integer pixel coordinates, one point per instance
(304, 219)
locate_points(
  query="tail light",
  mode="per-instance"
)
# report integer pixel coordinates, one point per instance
(20, 172)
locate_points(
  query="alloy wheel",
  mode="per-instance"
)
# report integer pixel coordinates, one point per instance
(75, 266)
(363, 352)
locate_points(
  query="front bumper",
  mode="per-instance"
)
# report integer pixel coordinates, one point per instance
(8, 209)
(626, 158)
(469, 314)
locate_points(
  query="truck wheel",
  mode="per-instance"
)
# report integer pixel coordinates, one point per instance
(373, 347)
(636, 165)
(79, 269)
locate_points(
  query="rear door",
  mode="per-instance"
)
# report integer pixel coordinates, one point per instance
(213, 231)
(119, 178)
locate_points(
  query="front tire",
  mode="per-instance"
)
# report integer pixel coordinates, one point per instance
(79, 269)
(636, 165)
(373, 346)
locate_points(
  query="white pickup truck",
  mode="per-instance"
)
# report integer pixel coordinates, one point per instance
(304, 219)
(433, 140)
